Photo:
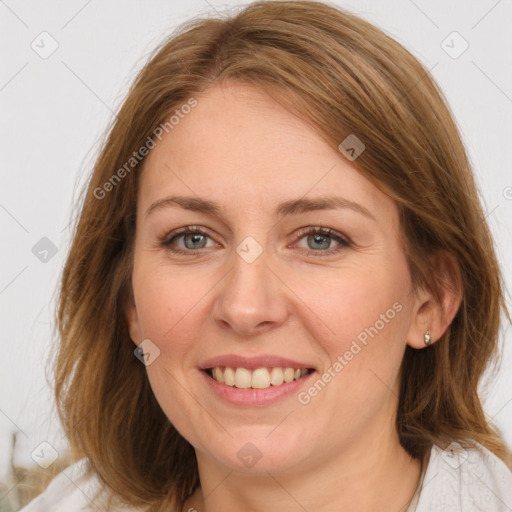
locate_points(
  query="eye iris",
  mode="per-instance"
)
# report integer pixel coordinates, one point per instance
(317, 238)
(194, 237)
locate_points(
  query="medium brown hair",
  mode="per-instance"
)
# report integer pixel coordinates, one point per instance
(343, 76)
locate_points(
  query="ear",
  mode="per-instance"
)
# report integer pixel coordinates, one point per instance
(132, 320)
(436, 311)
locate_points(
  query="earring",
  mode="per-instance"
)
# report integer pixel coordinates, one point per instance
(427, 337)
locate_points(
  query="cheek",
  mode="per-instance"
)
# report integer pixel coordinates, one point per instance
(362, 351)
(170, 305)
(358, 303)
(365, 317)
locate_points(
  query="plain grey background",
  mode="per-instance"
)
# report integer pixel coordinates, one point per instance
(56, 106)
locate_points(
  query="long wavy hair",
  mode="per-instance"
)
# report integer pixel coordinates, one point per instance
(343, 76)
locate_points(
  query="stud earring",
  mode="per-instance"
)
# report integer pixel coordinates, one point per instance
(427, 337)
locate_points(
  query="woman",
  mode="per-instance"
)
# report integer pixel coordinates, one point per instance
(282, 291)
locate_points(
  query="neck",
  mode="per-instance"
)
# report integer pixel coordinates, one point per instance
(371, 473)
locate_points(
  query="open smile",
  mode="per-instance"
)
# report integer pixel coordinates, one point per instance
(255, 380)
(258, 378)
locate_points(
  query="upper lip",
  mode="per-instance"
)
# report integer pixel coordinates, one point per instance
(253, 362)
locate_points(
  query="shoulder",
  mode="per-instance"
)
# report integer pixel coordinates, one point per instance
(469, 478)
(75, 489)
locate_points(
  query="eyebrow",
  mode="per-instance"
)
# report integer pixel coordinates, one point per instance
(286, 208)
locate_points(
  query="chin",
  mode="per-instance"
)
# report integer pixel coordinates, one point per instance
(255, 452)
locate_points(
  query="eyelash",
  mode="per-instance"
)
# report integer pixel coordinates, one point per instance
(190, 230)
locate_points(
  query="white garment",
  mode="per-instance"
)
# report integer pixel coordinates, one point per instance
(454, 480)
(459, 480)
(75, 489)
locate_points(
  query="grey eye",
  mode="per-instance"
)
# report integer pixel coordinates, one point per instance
(323, 240)
(195, 241)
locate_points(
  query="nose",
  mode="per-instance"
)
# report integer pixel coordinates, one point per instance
(252, 299)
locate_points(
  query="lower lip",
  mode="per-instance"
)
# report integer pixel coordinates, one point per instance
(256, 397)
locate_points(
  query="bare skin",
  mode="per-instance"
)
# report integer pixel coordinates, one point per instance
(340, 450)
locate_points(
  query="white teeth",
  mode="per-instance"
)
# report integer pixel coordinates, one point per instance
(260, 378)
(217, 374)
(229, 376)
(242, 378)
(276, 376)
(289, 374)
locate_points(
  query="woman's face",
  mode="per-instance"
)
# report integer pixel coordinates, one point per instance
(242, 291)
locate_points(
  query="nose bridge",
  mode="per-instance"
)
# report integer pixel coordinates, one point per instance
(249, 297)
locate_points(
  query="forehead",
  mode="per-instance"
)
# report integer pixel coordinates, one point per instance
(239, 146)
